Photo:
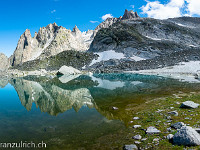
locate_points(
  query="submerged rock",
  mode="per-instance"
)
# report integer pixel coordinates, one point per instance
(152, 130)
(130, 147)
(189, 104)
(186, 136)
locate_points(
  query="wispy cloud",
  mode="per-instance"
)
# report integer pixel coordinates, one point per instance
(53, 11)
(107, 16)
(94, 21)
(132, 6)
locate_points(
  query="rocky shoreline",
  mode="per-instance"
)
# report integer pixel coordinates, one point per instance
(167, 123)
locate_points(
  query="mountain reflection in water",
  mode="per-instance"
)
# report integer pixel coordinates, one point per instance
(77, 110)
(100, 91)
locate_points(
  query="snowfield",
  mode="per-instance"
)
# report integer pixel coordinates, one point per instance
(111, 54)
(183, 71)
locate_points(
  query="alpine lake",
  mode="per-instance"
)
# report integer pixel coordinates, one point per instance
(83, 112)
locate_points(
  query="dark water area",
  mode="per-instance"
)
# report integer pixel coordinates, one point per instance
(76, 112)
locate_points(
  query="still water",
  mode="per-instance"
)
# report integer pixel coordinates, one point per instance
(76, 112)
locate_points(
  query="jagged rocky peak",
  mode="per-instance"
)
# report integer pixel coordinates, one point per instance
(76, 31)
(4, 63)
(130, 15)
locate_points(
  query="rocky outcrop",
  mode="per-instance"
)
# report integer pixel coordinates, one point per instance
(4, 63)
(130, 15)
(49, 41)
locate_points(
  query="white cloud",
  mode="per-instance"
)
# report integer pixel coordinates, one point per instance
(94, 21)
(107, 16)
(53, 11)
(174, 8)
(193, 7)
(163, 11)
(132, 6)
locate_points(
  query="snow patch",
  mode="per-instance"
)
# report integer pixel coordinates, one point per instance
(183, 71)
(107, 55)
(136, 58)
(156, 39)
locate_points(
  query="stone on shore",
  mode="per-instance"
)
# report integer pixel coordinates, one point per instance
(130, 147)
(189, 104)
(152, 130)
(186, 136)
(68, 70)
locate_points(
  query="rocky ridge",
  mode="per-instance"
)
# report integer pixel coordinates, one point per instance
(49, 41)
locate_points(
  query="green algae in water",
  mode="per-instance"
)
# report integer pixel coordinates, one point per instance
(78, 114)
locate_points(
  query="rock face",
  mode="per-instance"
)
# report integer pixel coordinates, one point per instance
(50, 40)
(189, 104)
(186, 136)
(4, 62)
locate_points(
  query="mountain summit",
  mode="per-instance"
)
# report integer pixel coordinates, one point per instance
(130, 15)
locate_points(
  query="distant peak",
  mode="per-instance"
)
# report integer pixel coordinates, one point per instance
(75, 29)
(130, 15)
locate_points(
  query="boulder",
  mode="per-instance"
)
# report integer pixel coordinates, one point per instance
(137, 137)
(189, 104)
(68, 70)
(175, 113)
(186, 136)
(178, 125)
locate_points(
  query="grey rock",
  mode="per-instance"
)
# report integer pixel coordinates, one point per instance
(186, 136)
(152, 130)
(115, 108)
(189, 104)
(130, 147)
(170, 136)
(137, 142)
(175, 113)
(143, 139)
(178, 125)
(136, 118)
(137, 126)
(137, 137)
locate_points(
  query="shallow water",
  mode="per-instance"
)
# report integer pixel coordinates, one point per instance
(75, 112)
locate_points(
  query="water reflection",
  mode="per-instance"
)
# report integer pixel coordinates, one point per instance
(100, 91)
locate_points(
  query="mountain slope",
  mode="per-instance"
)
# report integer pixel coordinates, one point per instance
(149, 39)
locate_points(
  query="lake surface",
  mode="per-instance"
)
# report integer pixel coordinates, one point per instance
(76, 112)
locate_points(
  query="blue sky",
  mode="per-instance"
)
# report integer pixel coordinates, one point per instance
(18, 15)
